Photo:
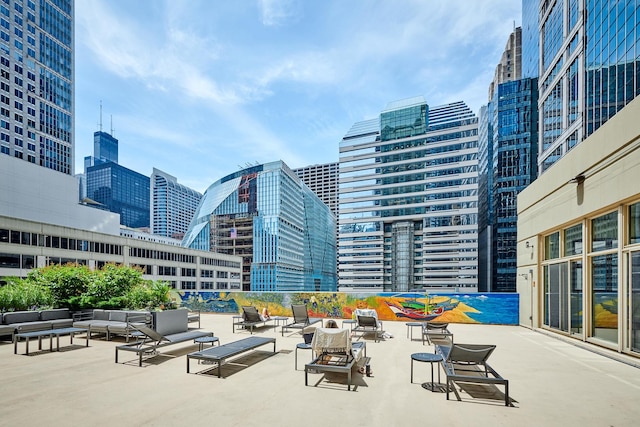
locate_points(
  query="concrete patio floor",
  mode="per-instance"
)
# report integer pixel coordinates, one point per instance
(553, 382)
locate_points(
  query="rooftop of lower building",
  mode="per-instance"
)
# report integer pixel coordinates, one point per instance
(552, 381)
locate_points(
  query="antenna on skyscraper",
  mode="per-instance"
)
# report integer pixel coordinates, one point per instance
(100, 122)
(112, 133)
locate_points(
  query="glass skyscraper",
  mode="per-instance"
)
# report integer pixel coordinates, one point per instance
(530, 38)
(122, 191)
(36, 82)
(105, 147)
(508, 166)
(589, 69)
(283, 231)
(408, 199)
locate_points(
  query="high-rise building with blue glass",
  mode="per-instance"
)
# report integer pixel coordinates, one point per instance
(36, 82)
(508, 167)
(172, 205)
(105, 149)
(589, 69)
(283, 231)
(122, 191)
(507, 153)
(408, 199)
(530, 39)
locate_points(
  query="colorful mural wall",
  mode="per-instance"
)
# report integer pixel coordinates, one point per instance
(484, 308)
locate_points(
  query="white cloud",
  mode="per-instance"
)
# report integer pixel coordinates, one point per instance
(277, 12)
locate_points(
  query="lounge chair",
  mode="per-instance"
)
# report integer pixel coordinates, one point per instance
(367, 321)
(335, 353)
(301, 318)
(467, 364)
(250, 318)
(436, 333)
(153, 340)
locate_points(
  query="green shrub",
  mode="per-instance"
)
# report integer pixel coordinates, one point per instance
(66, 282)
(77, 287)
(20, 294)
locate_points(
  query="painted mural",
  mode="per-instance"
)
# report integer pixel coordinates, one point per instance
(483, 308)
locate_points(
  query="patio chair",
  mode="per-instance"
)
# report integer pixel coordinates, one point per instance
(436, 333)
(467, 364)
(250, 319)
(152, 341)
(367, 321)
(301, 318)
(335, 353)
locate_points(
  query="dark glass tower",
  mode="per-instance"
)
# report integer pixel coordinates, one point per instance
(122, 191)
(513, 166)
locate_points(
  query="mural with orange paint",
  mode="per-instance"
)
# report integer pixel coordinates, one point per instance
(440, 307)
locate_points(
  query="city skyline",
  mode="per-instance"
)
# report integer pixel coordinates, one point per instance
(198, 91)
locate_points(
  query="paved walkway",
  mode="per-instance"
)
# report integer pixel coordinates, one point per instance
(553, 382)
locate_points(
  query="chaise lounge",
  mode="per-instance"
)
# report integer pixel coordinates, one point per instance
(171, 327)
(335, 353)
(467, 364)
(367, 321)
(301, 318)
(250, 319)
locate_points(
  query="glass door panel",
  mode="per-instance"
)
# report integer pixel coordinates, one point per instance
(557, 305)
(575, 299)
(634, 308)
(604, 309)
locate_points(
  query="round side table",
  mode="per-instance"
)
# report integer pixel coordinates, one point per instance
(302, 346)
(431, 358)
(202, 340)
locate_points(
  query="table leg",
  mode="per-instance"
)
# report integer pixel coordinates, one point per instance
(411, 371)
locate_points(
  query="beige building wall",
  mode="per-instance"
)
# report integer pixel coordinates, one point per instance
(599, 175)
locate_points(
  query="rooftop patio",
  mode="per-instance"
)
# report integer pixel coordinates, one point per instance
(553, 382)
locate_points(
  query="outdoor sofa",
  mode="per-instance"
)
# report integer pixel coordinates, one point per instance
(14, 322)
(111, 322)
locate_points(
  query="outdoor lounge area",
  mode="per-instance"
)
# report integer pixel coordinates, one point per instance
(551, 382)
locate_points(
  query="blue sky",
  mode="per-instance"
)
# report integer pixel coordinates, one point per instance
(201, 88)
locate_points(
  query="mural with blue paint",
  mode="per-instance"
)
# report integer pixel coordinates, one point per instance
(483, 308)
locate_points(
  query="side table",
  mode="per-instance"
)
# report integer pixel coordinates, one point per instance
(431, 358)
(202, 340)
(279, 319)
(349, 322)
(411, 325)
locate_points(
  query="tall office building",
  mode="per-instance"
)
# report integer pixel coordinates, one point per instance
(36, 82)
(122, 191)
(283, 231)
(323, 181)
(409, 199)
(105, 149)
(589, 69)
(530, 38)
(510, 66)
(508, 168)
(172, 205)
(507, 153)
